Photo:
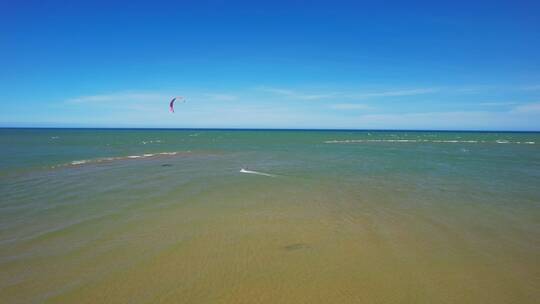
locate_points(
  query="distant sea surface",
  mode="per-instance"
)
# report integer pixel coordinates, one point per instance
(262, 216)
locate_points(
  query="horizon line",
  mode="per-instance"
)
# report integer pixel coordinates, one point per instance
(275, 129)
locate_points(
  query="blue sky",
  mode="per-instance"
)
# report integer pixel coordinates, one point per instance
(290, 64)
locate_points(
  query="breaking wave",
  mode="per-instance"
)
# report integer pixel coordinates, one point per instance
(157, 141)
(128, 157)
(499, 141)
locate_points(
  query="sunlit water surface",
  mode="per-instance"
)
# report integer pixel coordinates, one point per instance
(145, 216)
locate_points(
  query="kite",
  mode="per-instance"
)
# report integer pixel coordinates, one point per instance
(171, 104)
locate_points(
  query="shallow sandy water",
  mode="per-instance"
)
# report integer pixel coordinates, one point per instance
(325, 229)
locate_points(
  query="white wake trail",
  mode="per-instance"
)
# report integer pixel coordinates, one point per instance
(256, 172)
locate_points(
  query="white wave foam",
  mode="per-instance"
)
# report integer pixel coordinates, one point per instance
(144, 142)
(108, 159)
(79, 162)
(256, 172)
(168, 153)
(351, 141)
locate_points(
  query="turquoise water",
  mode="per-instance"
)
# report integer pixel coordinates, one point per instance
(91, 215)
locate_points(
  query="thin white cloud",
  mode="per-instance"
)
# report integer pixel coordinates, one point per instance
(350, 94)
(317, 96)
(221, 97)
(531, 87)
(439, 120)
(471, 89)
(496, 104)
(297, 95)
(530, 108)
(151, 108)
(350, 106)
(394, 93)
(293, 94)
(499, 87)
(278, 91)
(119, 97)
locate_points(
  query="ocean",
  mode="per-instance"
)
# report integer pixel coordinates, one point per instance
(269, 216)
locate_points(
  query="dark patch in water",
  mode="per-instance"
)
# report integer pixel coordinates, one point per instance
(166, 165)
(296, 246)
